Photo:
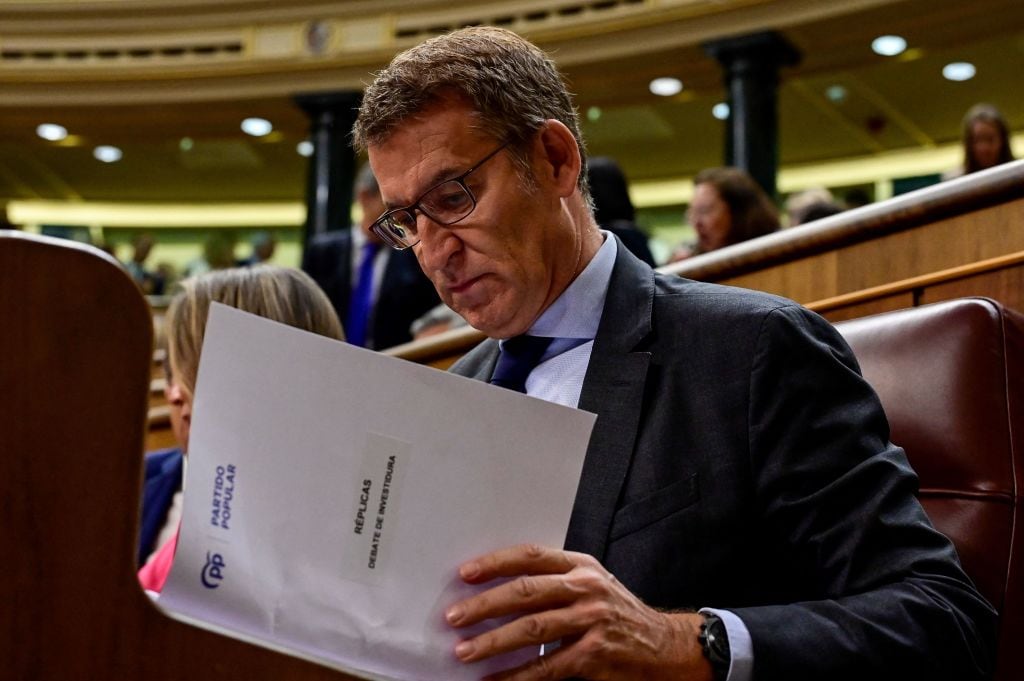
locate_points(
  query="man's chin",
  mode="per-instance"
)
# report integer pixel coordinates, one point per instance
(499, 330)
(484, 320)
(491, 313)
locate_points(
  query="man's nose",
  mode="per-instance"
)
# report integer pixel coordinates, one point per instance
(438, 243)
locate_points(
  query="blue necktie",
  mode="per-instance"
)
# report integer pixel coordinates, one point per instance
(360, 304)
(518, 357)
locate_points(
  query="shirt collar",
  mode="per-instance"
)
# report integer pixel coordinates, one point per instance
(577, 312)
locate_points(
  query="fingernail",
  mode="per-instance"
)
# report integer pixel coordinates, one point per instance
(454, 614)
(464, 650)
(469, 570)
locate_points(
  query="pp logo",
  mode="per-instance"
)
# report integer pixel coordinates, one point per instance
(213, 571)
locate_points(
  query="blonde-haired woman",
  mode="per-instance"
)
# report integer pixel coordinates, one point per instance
(284, 295)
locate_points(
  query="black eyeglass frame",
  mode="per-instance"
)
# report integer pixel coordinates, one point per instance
(380, 228)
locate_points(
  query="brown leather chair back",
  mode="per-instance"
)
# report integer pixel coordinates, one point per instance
(951, 379)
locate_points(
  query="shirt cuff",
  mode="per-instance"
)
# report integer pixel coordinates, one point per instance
(741, 649)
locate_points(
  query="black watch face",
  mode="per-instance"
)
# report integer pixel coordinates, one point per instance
(720, 641)
(715, 643)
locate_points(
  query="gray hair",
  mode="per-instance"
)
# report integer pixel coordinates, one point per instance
(512, 86)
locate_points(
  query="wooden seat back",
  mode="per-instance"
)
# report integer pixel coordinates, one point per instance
(75, 356)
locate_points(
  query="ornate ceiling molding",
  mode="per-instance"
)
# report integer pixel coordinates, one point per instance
(132, 51)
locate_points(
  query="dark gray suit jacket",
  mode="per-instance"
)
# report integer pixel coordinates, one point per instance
(740, 461)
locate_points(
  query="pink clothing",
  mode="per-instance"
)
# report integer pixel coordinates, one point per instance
(154, 573)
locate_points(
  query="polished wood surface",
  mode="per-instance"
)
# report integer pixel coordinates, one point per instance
(77, 346)
(439, 351)
(998, 278)
(955, 224)
(1005, 285)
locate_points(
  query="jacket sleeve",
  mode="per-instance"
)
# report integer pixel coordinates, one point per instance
(893, 601)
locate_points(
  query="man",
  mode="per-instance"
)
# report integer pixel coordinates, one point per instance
(377, 292)
(741, 513)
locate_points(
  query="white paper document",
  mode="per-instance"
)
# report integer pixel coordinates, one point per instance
(332, 493)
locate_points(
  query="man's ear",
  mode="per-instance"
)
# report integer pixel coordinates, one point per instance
(558, 156)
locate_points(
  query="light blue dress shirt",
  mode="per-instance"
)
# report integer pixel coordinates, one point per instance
(572, 320)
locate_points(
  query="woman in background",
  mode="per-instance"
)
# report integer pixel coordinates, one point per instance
(728, 207)
(986, 139)
(284, 295)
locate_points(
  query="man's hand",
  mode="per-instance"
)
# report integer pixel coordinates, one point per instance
(606, 632)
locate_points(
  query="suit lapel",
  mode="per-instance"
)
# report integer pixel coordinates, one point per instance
(613, 389)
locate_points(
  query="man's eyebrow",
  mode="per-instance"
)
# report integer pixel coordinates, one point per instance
(442, 175)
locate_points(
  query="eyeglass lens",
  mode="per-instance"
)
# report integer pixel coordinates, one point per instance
(445, 204)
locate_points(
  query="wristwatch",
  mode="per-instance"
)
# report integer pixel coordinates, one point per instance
(714, 641)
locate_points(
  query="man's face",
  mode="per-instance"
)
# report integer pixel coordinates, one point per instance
(501, 266)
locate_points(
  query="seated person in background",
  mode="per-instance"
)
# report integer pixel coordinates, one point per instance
(986, 140)
(613, 209)
(263, 246)
(377, 292)
(810, 205)
(741, 513)
(169, 273)
(151, 283)
(284, 295)
(817, 211)
(218, 254)
(728, 207)
(856, 198)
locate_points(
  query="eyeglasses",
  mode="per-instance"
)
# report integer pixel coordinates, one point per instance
(445, 203)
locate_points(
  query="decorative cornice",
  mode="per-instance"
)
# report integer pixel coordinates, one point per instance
(123, 51)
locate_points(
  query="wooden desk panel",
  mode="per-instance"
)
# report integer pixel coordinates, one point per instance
(891, 303)
(1006, 286)
(941, 245)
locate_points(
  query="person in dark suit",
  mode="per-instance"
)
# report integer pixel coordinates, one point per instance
(741, 513)
(613, 209)
(394, 291)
